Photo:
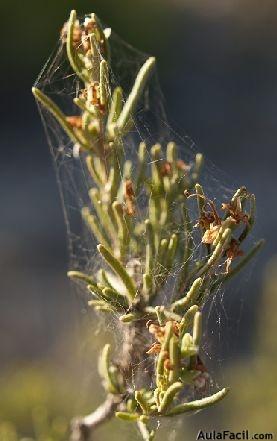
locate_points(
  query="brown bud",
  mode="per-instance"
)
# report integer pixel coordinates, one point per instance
(166, 168)
(75, 121)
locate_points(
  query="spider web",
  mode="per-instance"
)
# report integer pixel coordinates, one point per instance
(150, 126)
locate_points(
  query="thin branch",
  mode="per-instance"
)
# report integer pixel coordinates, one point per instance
(83, 427)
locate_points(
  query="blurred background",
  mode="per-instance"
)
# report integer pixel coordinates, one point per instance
(217, 62)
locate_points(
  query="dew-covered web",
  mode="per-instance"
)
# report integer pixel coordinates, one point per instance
(150, 126)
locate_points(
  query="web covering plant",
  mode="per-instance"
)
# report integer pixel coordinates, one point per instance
(146, 214)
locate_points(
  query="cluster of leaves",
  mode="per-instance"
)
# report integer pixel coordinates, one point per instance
(141, 248)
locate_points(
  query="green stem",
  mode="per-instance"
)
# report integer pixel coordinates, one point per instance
(60, 117)
(198, 404)
(136, 92)
(119, 270)
(243, 262)
(74, 61)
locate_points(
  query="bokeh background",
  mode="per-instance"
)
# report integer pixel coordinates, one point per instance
(217, 63)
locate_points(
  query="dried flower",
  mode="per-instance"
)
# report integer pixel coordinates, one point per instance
(129, 196)
(235, 210)
(75, 121)
(211, 233)
(232, 252)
